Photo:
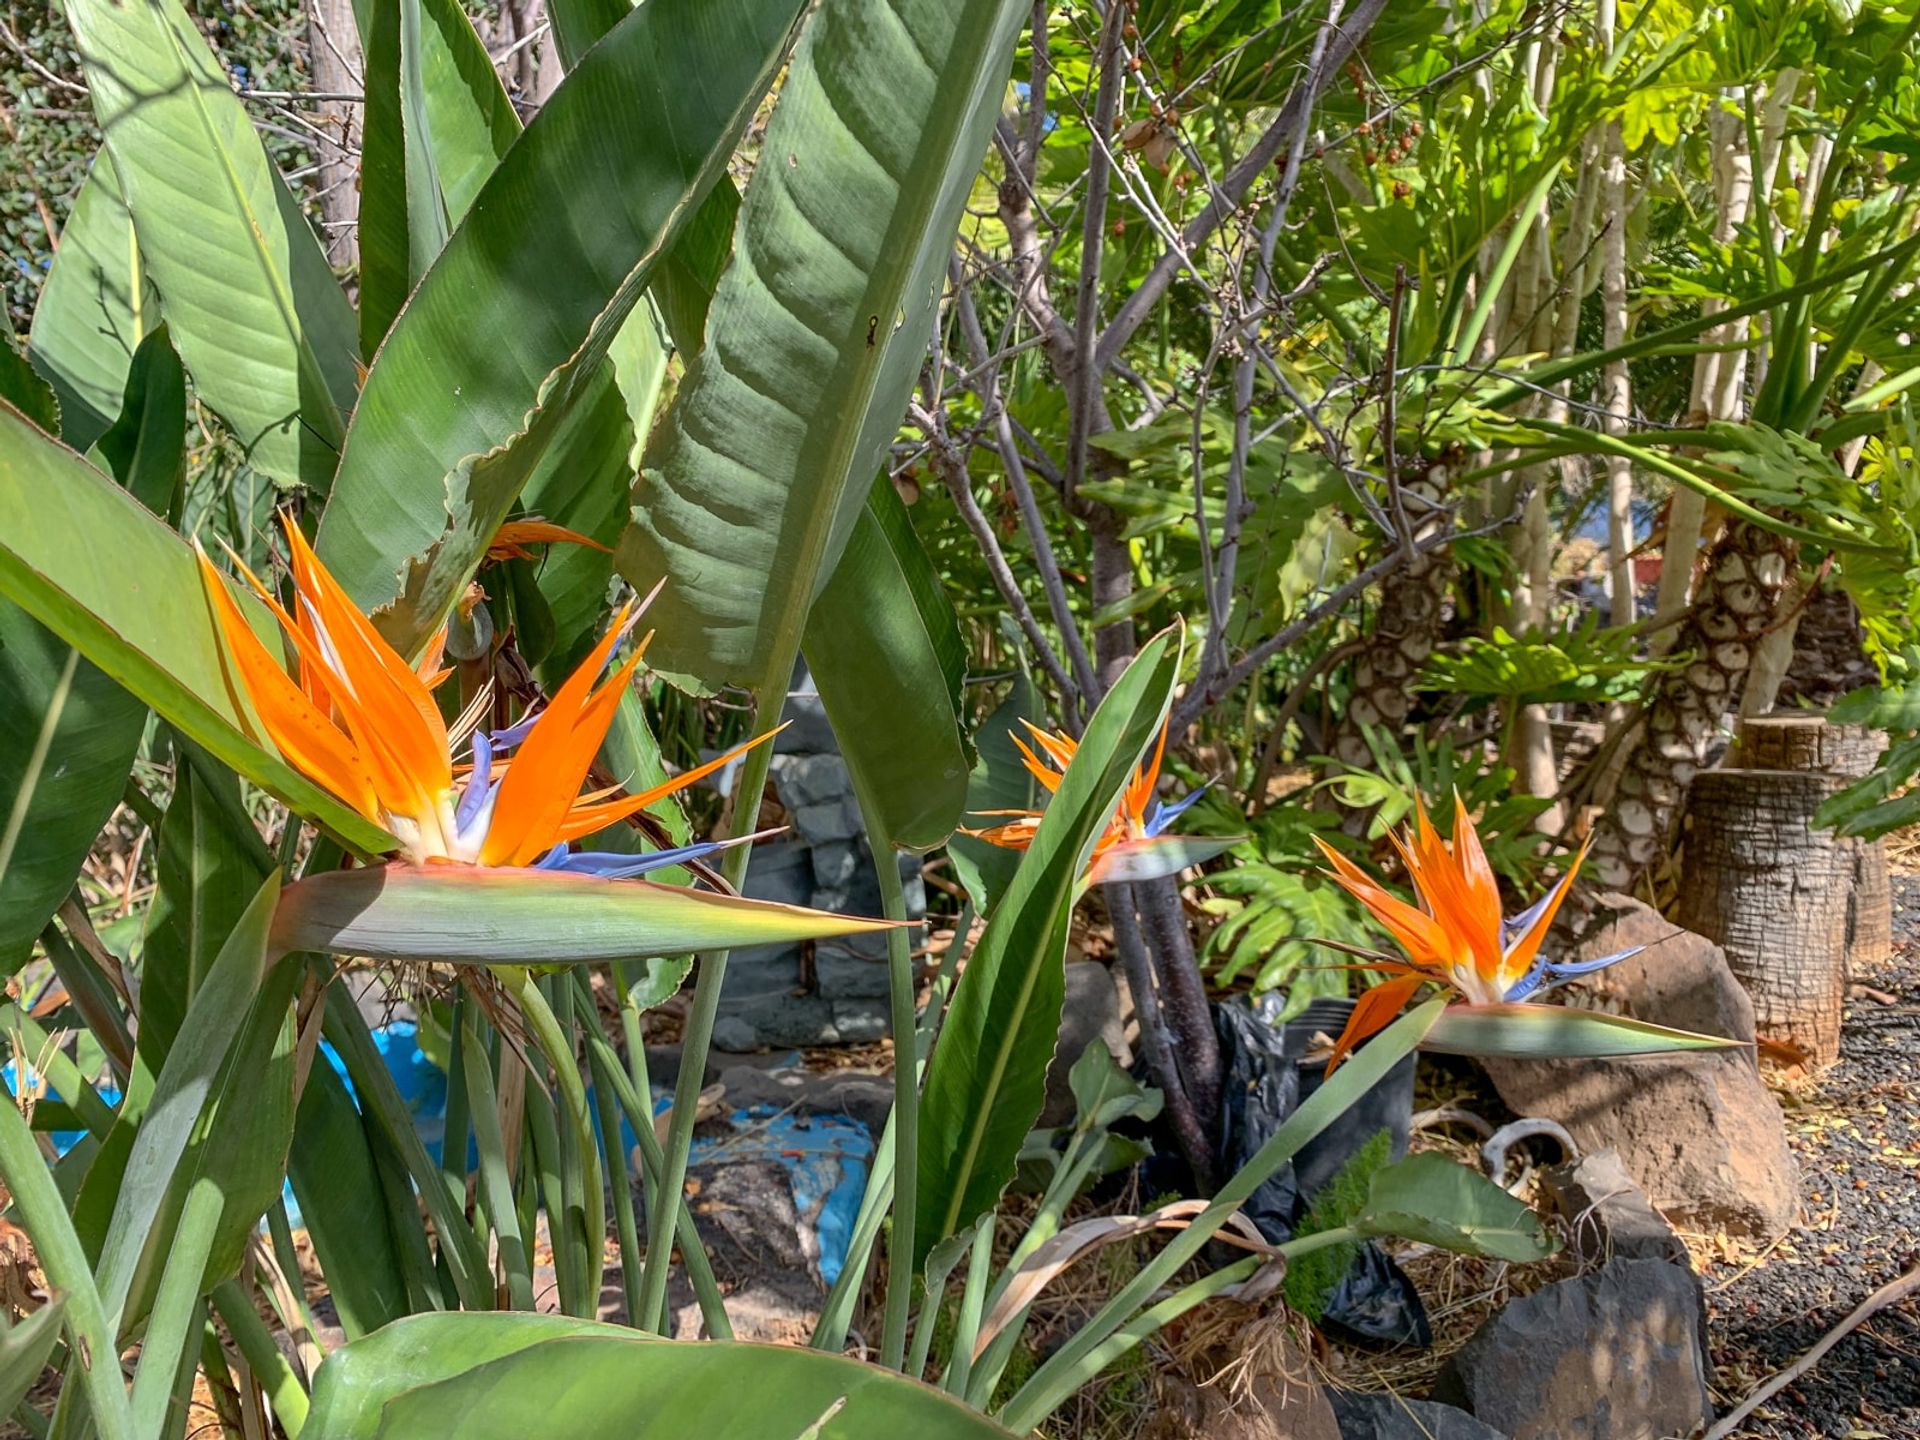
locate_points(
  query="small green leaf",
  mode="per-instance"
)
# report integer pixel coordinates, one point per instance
(24, 1349)
(999, 782)
(1433, 1198)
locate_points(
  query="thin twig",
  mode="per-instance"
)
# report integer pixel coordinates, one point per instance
(1892, 1293)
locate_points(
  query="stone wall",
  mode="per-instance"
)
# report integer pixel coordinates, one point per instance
(824, 992)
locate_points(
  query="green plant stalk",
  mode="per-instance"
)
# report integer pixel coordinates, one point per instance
(1502, 266)
(543, 1133)
(58, 1069)
(973, 1308)
(1068, 1177)
(453, 1137)
(1068, 1368)
(583, 1197)
(93, 997)
(403, 1220)
(280, 1235)
(37, 1426)
(380, 1099)
(697, 1037)
(653, 1161)
(906, 1087)
(1833, 362)
(270, 1368)
(176, 1307)
(496, 1183)
(90, 1336)
(607, 1113)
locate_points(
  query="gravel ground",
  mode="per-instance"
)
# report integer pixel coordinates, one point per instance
(1856, 1129)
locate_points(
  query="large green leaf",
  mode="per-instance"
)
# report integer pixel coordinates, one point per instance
(819, 325)
(885, 650)
(1433, 1197)
(510, 326)
(96, 305)
(986, 1081)
(260, 321)
(437, 122)
(520, 917)
(94, 566)
(222, 1109)
(68, 732)
(1000, 781)
(1556, 1032)
(513, 1375)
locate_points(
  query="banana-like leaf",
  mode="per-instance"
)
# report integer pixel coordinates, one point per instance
(1557, 1032)
(259, 319)
(24, 1349)
(1434, 1198)
(96, 305)
(819, 325)
(513, 1375)
(437, 123)
(222, 1109)
(68, 733)
(986, 1081)
(1000, 781)
(509, 327)
(94, 566)
(506, 916)
(885, 650)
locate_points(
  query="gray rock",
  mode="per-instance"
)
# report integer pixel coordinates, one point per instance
(788, 1020)
(1701, 1134)
(735, 1035)
(859, 1021)
(1611, 1355)
(844, 974)
(1394, 1417)
(864, 1097)
(781, 871)
(811, 780)
(1091, 1015)
(1607, 1215)
(808, 732)
(821, 824)
(834, 865)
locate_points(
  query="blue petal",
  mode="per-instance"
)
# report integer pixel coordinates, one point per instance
(1587, 967)
(1523, 922)
(613, 865)
(479, 783)
(1165, 815)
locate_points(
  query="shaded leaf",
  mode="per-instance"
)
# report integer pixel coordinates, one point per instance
(1556, 1032)
(1434, 1198)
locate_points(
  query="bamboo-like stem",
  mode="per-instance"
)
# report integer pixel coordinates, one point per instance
(556, 1044)
(697, 1037)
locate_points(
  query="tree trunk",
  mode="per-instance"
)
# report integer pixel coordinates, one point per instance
(1746, 572)
(1808, 741)
(1775, 893)
(333, 55)
(1616, 385)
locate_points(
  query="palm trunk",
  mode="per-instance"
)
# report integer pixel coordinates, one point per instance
(1746, 575)
(333, 54)
(1616, 385)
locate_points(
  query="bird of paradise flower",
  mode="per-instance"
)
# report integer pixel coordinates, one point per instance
(1456, 936)
(1136, 844)
(363, 724)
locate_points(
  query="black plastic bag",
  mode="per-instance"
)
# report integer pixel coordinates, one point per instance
(1264, 1081)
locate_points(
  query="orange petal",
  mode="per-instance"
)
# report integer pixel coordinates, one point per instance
(510, 537)
(1048, 777)
(1017, 835)
(312, 744)
(1372, 1013)
(585, 818)
(1427, 942)
(1145, 780)
(543, 779)
(1518, 960)
(1482, 889)
(395, 705)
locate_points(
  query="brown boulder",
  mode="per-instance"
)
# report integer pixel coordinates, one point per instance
(1699, 1133)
